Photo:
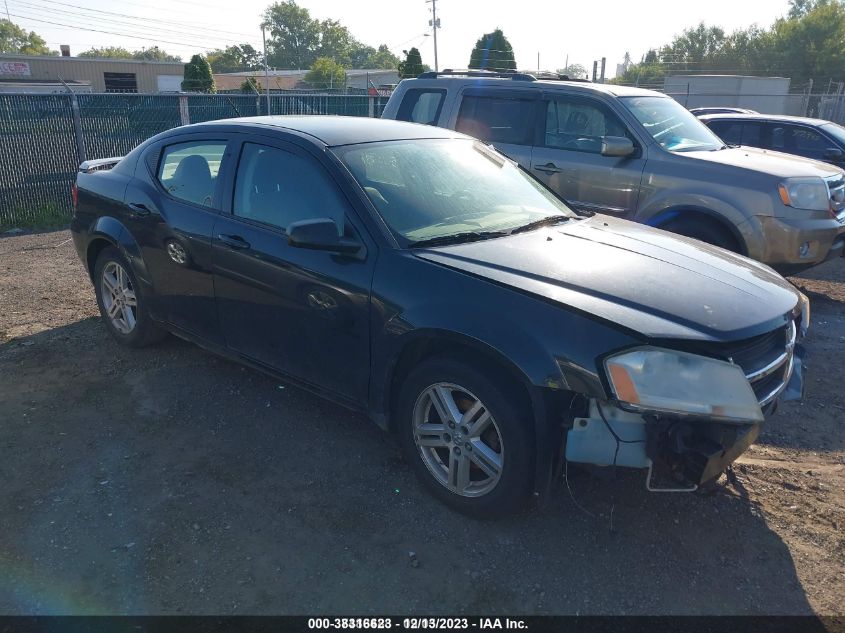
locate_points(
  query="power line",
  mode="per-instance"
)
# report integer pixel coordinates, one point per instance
(193, 27)
(136, 37)
(151, 32)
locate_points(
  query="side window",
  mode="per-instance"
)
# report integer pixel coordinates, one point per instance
(497, 120)
(728, 131)
(809, 143)
(752, 134)
(189, 170)
(421, 106)
(798, 140)
(579, 125)
(277, 187)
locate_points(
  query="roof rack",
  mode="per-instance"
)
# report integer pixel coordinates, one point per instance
(515, 75)
(489, 74)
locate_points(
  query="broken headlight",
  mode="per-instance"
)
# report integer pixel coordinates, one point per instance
(666, 381)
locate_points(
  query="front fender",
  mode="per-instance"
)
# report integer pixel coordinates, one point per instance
(669, 205)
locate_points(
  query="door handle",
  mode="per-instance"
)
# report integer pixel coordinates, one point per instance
(139, 209)
(234, 241)
(549, 168)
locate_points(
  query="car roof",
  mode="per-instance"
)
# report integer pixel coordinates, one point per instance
(332, 130)
(537, 84)
(782, 118)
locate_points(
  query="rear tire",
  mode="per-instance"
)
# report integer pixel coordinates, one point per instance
(468, 437)
(121, 303)
(705, 230)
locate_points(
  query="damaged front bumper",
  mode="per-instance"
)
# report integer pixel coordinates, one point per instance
(680, 454)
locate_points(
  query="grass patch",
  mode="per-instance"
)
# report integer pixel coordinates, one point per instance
(49, 216)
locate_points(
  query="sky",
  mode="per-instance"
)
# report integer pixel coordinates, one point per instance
(580, 31)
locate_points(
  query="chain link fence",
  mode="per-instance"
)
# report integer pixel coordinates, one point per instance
(43, 138)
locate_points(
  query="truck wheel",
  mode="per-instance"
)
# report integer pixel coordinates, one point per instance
(121, 302)
(467, 437)
(705, 230)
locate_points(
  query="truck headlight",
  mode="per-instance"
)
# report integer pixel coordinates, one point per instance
(666, 381)
(805, 193)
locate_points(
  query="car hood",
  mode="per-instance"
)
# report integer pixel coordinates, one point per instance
(767, 162)
(655, 283)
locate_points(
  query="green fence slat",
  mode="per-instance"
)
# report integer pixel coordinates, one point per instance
(38, 145)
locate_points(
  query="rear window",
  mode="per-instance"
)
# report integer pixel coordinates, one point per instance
(497, 120)
(421, 106)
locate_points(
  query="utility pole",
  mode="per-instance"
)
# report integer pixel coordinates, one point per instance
(8, 16)
(434, 23)
(266, 68)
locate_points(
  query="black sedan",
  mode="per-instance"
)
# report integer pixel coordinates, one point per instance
(421, 277)
(811, 138)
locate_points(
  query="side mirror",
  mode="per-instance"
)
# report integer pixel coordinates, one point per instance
(617, 146)
(321, 235)
(834, 154)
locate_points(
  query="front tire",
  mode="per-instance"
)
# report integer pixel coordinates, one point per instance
(467, 437)
(121, 302)
(704, 230)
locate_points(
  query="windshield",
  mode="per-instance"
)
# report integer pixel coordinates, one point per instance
(430, 189)
(672, 125)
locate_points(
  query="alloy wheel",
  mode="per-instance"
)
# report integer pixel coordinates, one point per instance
(458, 439)
(118, 296)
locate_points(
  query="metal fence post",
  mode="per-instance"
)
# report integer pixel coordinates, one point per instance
(77, 128)
(371, 111)
(184, 113)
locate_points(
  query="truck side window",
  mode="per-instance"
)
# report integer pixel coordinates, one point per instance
(420, 105)
(497, 119)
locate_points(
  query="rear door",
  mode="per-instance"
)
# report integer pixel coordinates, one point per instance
(567, 155)
(302, 312)
(504, 118)
(171, 208)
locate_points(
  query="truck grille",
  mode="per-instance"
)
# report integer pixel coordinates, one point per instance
(766, 360)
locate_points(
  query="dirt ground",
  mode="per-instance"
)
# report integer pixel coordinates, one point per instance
(167, 480)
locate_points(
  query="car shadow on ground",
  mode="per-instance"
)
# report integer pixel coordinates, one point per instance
(167, 480)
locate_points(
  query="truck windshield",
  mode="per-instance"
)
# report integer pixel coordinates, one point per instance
(672, 125)
(430, 190)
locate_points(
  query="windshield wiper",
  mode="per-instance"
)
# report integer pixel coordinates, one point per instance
(457, 238)
(536, 224)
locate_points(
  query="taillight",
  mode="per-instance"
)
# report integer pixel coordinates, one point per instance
(74, 194)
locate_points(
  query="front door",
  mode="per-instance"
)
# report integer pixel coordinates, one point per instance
(568, 158)
(302, 312)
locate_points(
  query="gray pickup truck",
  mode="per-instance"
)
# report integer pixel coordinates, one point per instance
(638, 154)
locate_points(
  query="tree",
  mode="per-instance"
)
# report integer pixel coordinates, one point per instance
(294, 35)
(250, 86)
(573, 71)
(383, 58)
(335, 42)
(412, 66)
(155, 54)
(694, 46)
(325, 74)
(198, 76)
(15, 40)
(108, 52)
(800, 8)
(362, 56)
(493, 52)
(234, 59)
